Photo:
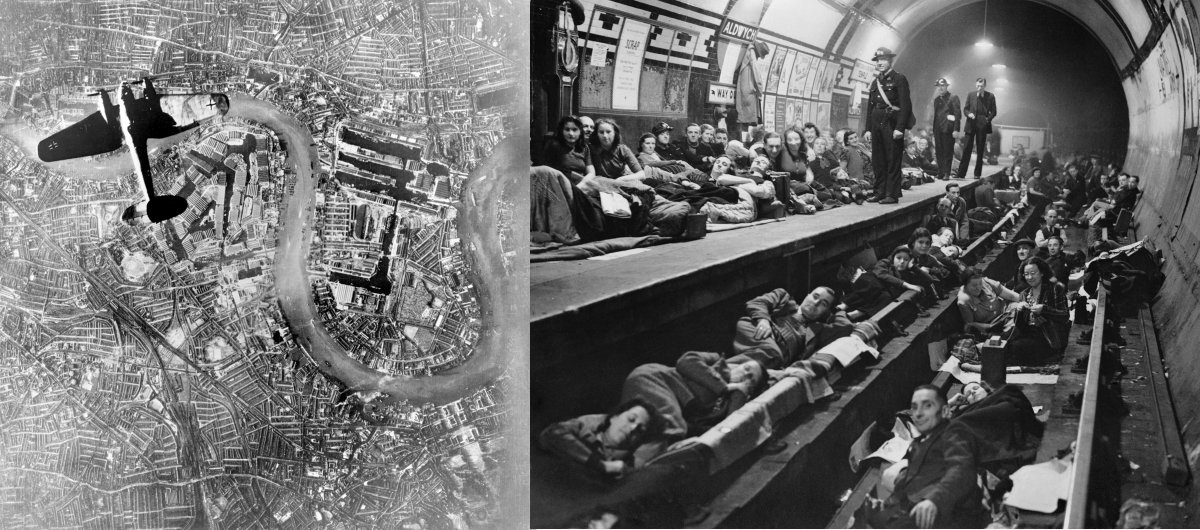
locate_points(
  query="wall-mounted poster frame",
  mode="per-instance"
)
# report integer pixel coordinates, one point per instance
(638, 75)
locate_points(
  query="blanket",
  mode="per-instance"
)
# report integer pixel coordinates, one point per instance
(596, 248)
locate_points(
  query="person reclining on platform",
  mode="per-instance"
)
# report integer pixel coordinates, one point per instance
(750, 191)
(605, 442)
(698, 392)
(1042, 321)
(938, 488)
(984, 304)
(873, 290)
(778, 331)
(947, 253)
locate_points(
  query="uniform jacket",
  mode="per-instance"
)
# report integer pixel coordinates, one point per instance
(895, 85)
(984, 109)
(943, 106)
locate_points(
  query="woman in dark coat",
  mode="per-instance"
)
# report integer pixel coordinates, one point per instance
(1042, 323)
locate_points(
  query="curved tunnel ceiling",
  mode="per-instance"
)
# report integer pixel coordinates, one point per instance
(856, 28)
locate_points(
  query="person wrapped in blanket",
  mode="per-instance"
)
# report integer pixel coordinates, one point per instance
(873, 290)
(605, 442)
(751, 190)
(946, 252)
(778, 331)
(928, 272)
(574, 181)
(660, 405)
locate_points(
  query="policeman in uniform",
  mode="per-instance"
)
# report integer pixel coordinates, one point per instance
(890, 115)
(947, 118)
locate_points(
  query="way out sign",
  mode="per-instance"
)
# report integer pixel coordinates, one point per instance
(720, 93)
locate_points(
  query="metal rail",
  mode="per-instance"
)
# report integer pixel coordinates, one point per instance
(1077, 497)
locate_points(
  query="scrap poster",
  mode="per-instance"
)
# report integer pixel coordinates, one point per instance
(628, 72)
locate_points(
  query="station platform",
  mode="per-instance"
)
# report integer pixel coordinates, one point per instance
(603, 317)
(562, 291)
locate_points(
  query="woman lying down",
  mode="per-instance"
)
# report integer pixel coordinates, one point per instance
(660, 406)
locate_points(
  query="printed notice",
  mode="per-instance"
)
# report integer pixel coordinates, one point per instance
(628, 72)
(599, 54)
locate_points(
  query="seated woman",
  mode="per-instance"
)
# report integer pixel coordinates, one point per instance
(648, 156)
(824, 167)
(983, 304)
(778, 331)
(875, 289)
(855, 161)
(697, 393)
(614, 160)
(605, 442)
(1042, 323)
(568, 152)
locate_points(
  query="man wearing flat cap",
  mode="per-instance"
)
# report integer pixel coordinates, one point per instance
(889, 116)
(947, 118)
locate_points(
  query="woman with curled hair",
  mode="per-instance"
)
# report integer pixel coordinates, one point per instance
(1042, 323)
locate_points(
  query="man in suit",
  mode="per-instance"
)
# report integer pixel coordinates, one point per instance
(938, 488)
(980, 109)
(890, 114)
(947, 119)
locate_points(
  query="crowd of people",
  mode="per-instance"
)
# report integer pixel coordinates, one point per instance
(590, 183)
(779, 334)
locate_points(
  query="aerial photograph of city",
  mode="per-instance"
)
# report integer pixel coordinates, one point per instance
(257, 267)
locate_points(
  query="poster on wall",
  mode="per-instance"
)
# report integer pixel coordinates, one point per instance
(839, 111)
(829, 80)
(769, 112)
(763, 65)
(777, 57)
(813, 87)
(785, 77)
(798, 85)
(823, 116)
(789, 115)
(781, 114)
(628, 72)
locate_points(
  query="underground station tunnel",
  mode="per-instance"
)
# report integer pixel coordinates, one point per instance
(724, 332)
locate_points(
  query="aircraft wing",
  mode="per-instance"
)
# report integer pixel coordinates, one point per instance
(90, 136)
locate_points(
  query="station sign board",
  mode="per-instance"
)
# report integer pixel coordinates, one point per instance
(721, 93)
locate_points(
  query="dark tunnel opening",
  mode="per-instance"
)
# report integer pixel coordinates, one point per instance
(1046, 69)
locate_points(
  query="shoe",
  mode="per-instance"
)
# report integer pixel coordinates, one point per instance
(888, 200)
(873, 199)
